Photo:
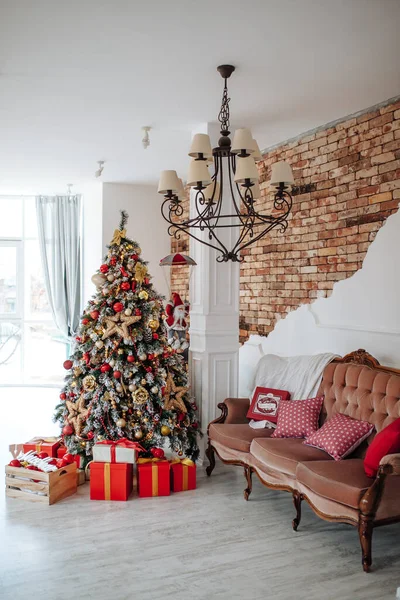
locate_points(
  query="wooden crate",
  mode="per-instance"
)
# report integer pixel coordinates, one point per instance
(53, 486)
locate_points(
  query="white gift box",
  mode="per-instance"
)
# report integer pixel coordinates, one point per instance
(105, 453)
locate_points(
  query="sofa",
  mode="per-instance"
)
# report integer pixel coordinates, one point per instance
(355, 385)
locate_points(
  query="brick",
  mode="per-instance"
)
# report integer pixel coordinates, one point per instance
(380, 198)
(382, 158)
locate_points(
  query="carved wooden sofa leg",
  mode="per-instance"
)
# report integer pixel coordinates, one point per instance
(297, 500)
(365, 529)
(211, 457)
(248, 474)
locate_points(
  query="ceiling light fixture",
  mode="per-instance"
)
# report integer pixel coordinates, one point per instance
(146, 138)
(234, 167)
(100, 170)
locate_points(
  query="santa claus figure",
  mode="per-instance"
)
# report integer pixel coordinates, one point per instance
(177, 313)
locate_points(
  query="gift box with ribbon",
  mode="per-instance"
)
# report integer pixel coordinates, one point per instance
(153, 477)
(183, 475)
(119, 451)
(110, 481)
(43, 444)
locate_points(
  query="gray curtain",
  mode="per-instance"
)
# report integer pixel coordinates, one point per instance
(59, 224)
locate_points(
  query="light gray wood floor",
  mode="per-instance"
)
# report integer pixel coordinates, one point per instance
(204, 544)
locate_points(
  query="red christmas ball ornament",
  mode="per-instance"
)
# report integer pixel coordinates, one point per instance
(78, 339)
(181, 416)
(104, 268)
(60, 463)
(42, 454)
(63, 396)
(163, 390)
(117, 374)
(95, 315)
(130, 358)
(113, 261)
(148, 369)
(86, 357)
(195, 425)
(67, 364)
(90, 435)
(135, 256)
(32, 468)
(68, 458)
(53, 461)
(118, 307)
(134, 285)
(150, 356)
(155, 336)
(105, 367)
(125, 286)
(67, 430)
(146, 281)
(85, 321)
(157, 452)
(14, 463)
(138, 312)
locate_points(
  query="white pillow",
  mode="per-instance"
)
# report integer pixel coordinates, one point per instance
(249, 356)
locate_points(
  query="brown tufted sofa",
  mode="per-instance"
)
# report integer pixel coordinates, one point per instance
(356, 385)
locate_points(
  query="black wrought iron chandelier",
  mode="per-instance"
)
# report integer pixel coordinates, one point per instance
(234, 167)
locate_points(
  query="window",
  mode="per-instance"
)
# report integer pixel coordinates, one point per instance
(31, 349)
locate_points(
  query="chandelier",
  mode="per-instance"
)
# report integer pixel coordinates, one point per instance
(235, 170)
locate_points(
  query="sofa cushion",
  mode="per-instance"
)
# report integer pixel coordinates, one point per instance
(341, 481)
(340, 436)
(298, 419)
(236, 436)
(386, 442)
(285, 454)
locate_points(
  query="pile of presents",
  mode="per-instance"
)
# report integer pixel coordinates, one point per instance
(116, 468)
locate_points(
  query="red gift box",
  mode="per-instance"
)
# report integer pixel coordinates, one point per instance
(153, 477)
(183, 475)
(110, 481)
(38, 444)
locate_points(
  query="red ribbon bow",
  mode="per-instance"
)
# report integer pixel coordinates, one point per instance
(123, 443)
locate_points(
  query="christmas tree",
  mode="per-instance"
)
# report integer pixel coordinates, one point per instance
(123, 379)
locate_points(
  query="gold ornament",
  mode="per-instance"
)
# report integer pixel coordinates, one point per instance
(154, 324)
(77, 371)
(149, 435)
(89, 383)
(119, 324)
(120, 351)
(165, 430)
(77, 414)
(83, 443)
(99, 344)
(173, 397)
(139, 434)
(140, 395)
(140, 272)
(143, 382)
(143, 295)
(99, 280)
(121, 423)
(119, 235)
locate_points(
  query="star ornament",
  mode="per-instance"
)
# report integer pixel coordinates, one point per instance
(77, 414)
(173, 396)
(119, 325)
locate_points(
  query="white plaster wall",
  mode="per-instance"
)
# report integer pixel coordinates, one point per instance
(363, 311)
(92, 235)
(145, 225)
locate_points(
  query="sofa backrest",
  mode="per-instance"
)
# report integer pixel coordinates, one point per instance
(370, 393)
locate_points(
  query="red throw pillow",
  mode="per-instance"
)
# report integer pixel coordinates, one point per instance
(340, 435)
(265, 403)
(385, 442)
(299, 418)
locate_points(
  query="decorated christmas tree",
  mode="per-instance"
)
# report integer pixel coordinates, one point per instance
(123, 379)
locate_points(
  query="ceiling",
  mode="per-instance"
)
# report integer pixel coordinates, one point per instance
(79, 79)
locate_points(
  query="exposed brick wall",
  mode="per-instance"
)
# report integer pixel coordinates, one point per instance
(354, 168)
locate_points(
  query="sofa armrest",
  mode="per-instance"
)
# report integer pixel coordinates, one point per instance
(391, 464)
(233, 410)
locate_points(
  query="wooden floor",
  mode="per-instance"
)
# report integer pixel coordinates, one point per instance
(204, 544)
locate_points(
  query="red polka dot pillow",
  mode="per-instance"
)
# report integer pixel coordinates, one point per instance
(299, 418)
(340, 436)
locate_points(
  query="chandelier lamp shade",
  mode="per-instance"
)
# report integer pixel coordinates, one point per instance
(227, 197)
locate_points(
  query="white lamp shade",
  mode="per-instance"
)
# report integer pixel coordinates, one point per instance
(168, 182)
(201, 145)
(242, 140)
(281, 172)
(256, 151)
(198, 173)
(246, 169)
(209, 192)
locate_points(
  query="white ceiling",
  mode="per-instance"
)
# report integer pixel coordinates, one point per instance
(78, 79)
